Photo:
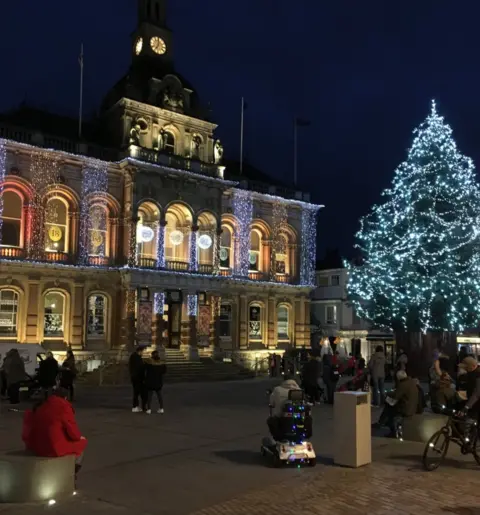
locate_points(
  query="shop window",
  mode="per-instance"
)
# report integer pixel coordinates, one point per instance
(226, 321)
(97, 232)
(56, 216)
(97, 316)
(11, 219)
(255, 322)
(8, 312)
(282, 323)
(54, 315)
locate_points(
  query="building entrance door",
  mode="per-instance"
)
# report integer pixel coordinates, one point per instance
(173, 319)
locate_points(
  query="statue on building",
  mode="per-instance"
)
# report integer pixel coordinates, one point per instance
(196, 143)
(218, 152)
(160, 140)
(135, 134)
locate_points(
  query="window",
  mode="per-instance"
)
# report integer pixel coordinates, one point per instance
(56, 217)
(335, 280)
(322, 280)
(255, 322)
(282, 323)
(254, 255)
(225, 321)
(225, 247)
(11, 219)
(281, 264)
(169, 143)
(97, 232)
(54, 309)
(97, 314)
(331, 314)
(8, 312)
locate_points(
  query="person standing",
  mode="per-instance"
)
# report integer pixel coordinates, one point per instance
(68, 373)
(15, 373)
(155, 369)
(3, 380)
(402, 360)
(377, 372)
(48, 372)
(136, 366)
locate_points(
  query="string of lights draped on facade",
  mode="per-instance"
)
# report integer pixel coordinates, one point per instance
(193, 251)
(3, 172)
(93, 210)
(44, 218)
(279, 245)
(243, 211)
(158, 302)
(161, 245)
(309, 245)
(192, 305)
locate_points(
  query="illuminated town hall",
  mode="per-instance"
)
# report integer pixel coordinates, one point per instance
(139, 232)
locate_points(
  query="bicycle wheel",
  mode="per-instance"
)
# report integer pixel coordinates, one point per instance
(435, 450)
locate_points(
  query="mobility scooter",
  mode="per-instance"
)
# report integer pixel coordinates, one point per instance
(289, 443)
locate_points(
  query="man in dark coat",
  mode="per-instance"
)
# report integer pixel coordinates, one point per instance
(136, 367)
(48, 372)
(155, 370)
(14, 367)
(311, 373)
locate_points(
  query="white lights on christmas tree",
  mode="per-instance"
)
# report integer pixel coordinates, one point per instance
(421, 250)
(243, 211)
(3, 173)
(308, 254)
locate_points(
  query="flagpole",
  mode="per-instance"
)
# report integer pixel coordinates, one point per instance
(81, 94)
(241, 136)
(295, 151)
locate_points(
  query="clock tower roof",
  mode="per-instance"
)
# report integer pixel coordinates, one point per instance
(153, 64)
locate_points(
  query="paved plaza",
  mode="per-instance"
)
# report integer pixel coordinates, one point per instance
(202, 458)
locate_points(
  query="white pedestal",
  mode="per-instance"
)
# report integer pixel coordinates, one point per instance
(352, 429)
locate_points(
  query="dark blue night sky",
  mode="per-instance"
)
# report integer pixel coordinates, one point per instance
(362, 71)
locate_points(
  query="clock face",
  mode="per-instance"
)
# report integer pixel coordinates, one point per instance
(158, 45)
(138, 46)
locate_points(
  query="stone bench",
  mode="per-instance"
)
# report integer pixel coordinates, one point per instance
(25, 478)
(420, 428)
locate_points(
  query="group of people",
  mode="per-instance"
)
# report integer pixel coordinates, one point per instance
(146, 376)
(49, 374)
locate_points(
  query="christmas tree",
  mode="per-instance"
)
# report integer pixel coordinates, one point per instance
(420, 248)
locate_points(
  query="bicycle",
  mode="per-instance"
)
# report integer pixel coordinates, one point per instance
(453, 431)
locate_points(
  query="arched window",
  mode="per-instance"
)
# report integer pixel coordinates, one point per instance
(96, 316)
(169, 143)
(54, 314)
(255, 258)
(11, 219)
(281, 256)
(98, 232)
(56, 226)
(147, 234)
(283, 327)
(8, 312)
(177, 236)
(207, 229)
(226, 250)
(255, 322)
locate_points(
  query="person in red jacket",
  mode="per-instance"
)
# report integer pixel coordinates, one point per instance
(50, 429)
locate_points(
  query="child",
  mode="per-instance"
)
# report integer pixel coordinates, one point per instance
(155, 370)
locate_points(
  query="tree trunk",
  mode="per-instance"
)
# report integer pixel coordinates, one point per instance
(420, 349)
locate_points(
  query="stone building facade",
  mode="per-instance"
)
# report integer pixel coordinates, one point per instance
(140, 236)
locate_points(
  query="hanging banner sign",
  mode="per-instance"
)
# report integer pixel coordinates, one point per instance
(55, 233)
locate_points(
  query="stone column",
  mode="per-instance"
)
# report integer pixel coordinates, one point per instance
(271, 317)
(158, 323)
(243, 319)
(34, 318)
(77, 340)
(193, 249)
(292, 261)
(161, 244)
(215, 322)
(298, 335)
(268, 272)
(132, 239)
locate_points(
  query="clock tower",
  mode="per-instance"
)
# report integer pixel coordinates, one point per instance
(152, 40)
